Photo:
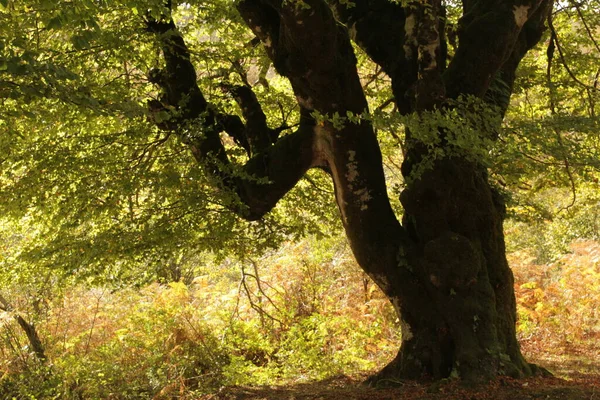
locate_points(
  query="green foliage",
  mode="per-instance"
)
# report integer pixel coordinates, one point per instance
(468, 128)
(315, 315)
(156, 344)
(97, 204)
(105, 348)
(106, 197)
(546, 224)
(37, 382)
(547, 160)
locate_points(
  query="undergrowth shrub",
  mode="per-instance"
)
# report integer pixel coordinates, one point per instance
(304, 312)
(35, 381)
(559, 303)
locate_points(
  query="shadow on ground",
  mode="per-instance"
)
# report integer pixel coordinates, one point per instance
(577, 378)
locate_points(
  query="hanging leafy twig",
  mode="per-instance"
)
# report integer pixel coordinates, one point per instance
(554, 39)
(550, 55)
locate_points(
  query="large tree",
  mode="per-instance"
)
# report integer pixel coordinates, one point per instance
(444, 267)
(452, 67)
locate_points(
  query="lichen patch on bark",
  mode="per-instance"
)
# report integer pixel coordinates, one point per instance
(352, 166)
(521, 15)
(305, 102)
(410, 26)
(427, 55)
(363, 197)
(404, 326)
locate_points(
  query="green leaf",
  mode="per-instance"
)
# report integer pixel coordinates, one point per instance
(55, 23)
(20, 42)
(79, 42)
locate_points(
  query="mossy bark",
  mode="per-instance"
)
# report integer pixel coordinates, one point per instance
(444, 267)
(461, 320)
(451, 283)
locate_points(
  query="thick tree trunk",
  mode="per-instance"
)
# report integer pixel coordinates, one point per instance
(461, 321)
(444, 268)
(451, 284)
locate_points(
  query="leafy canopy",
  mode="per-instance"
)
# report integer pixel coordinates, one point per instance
(91, 189)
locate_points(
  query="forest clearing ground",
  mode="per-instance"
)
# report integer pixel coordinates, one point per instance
(576, 377)
(558, 299)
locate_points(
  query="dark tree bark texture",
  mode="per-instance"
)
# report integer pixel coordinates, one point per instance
(444, 267)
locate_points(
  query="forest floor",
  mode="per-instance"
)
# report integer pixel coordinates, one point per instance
(559, 301)
(576, 377)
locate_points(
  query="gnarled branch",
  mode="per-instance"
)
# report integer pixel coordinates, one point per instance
(488, 34)
(199, 126)
(379, 28)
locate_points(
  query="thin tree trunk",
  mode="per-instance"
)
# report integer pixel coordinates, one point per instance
(32, 335)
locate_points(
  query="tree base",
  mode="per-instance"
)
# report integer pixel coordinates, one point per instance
(398, 373)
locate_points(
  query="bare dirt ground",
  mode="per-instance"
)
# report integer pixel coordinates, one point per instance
(576, 377)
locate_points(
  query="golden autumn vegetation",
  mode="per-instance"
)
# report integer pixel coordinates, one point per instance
(303, 313)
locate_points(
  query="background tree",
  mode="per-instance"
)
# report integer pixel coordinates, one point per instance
(86, 166)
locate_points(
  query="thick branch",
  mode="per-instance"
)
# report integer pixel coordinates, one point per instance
(282, 165)
(488, 33)
(314, 52)
(486, 60)
(430, 91)
(198, 125)
(233, 125)
(379, 27)
(501, 87)
(257, 132)
(308, 47)
(183, 98)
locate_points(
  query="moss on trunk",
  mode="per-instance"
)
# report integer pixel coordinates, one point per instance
(461, 320)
